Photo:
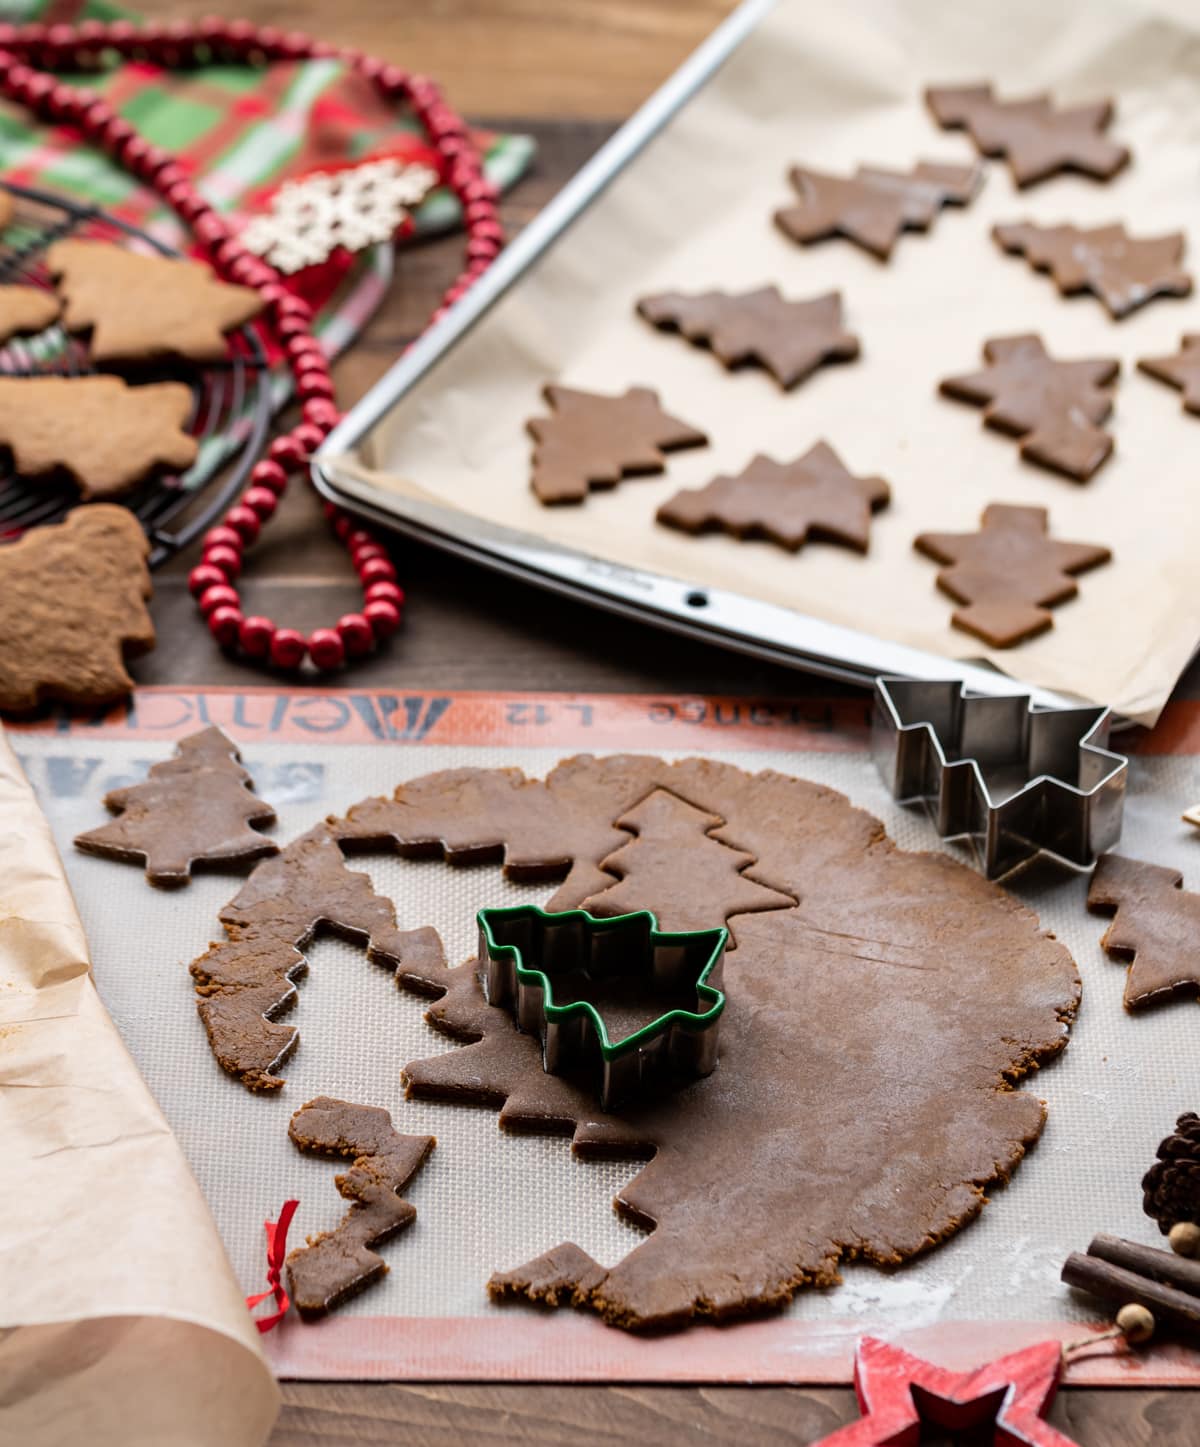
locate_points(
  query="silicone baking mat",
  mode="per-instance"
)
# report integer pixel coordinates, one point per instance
(487, 1200)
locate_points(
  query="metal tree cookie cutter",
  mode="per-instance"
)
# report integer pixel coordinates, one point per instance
(547, 969)
(1016, 777)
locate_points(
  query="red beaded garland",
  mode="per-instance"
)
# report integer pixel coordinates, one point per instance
(73, 47)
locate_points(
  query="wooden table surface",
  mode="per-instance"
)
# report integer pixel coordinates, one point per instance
(567, 73)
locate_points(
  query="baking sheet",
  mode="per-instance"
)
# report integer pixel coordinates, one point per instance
(488, 1200)
(693, 211)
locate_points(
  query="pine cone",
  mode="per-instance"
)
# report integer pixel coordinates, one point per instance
(1171, 1187)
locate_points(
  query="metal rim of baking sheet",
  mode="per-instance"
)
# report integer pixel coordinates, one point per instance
(932, 741)
(712, 615)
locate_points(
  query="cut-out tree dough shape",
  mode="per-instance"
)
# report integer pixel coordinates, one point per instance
(785, 502)
(1009, 574)
(872, 207)
(245, 982)
(338, 1264)
(1054, 407)
(1156, 926)
(1038, 138)
(140, 308)
(593, 441)
(73, 608)
(872, 1047)
(1181, 371)
(678, 859)
(790, 339)
(197, 808)
(104, 434)
(1124, 271)
(26, 309)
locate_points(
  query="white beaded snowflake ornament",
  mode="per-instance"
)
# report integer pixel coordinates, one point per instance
(311, 218)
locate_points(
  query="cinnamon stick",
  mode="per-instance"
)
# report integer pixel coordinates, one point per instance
(1164, 1266)
(1171, 1308)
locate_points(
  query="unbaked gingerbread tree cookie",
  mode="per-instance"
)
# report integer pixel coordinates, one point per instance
(197, 808)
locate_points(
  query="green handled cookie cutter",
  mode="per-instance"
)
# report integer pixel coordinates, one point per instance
(541, 966)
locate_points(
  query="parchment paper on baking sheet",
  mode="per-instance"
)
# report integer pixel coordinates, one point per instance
(836, 86)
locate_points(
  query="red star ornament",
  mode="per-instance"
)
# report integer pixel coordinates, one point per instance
(897, 1392)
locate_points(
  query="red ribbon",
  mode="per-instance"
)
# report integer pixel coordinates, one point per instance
(276, 1255)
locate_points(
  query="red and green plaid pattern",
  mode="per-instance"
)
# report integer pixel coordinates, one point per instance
(238, 131)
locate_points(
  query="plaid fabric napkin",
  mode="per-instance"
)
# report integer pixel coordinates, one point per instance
(239, 131)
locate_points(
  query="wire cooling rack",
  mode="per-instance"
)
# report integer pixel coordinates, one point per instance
(231, 407)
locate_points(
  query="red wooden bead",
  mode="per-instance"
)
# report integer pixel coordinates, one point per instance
(225, 625)
(342, 526)
(326, 649)
(202, 576)
(377, 570)
(357, 634)
(385, 592)
(291, 305)
(322, 413)
(290, 327)
(210, 229)
(247, 270)
(358, 538)
(261, 501)
(383, 617)
(222, 536)
(315, 384)
(219, 596)
(287, 452)
(229, 251)
(301, 345)
(229, 560)
(255, 635)
(330, 509)
(310, 364)
(363, 555)
(269, 474)
(288, 648)
(308, 436)
(392, 81)
(116, 131)
(245, 521)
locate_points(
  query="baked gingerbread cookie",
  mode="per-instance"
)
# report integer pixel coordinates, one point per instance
(104, 434)
(1038, 138)
(1180, 370)
(73, 608)
(141, 308)
(591, 440)
(25, 310)
(1009, 574)
(1056, 408)
(787, 503)
(195, 809)
(789, 339)
(875, 205)
(823, 1134)
(1124, 272)
(338, 1264)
